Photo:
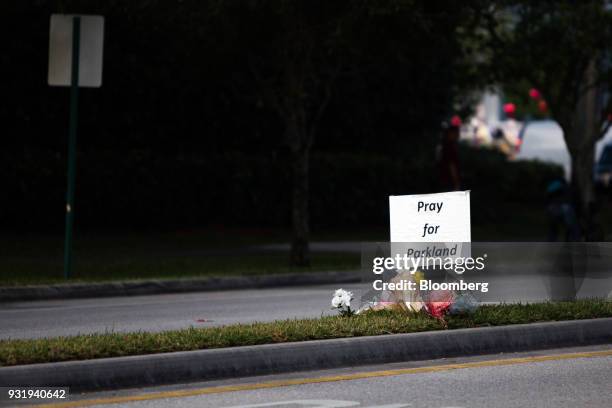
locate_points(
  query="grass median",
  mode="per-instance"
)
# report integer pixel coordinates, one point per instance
(83, 347)
(121, 256)
(168, 267)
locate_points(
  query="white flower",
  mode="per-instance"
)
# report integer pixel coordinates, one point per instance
(336, 301)
(342, 299)
(346, 299)
(342, 302)
(339, 292)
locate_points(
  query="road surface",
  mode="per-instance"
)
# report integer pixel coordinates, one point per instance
(49, 318)
(578, 377)
(161, 312)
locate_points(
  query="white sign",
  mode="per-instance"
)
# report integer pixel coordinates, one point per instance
(441, 217)
(91, 40)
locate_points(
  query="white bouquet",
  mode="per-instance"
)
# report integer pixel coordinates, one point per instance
(341, 301)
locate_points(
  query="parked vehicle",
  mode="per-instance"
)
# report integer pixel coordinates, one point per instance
(603, 168)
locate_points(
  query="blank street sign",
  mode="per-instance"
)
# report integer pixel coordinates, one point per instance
(90, 51)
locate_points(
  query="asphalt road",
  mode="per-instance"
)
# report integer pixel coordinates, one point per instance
(34, 319)
(553, 378)
(161, 312)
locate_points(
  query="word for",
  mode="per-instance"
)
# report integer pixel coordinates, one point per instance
(429, 229)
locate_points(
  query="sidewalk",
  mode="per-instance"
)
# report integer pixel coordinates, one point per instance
(151, 287)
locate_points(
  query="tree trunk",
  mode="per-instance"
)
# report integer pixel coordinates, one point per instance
(297, 138)
(581, 133)
(300, 254)
(583, 190)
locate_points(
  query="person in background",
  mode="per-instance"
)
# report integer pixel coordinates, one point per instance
(561, 213)
(448, 156)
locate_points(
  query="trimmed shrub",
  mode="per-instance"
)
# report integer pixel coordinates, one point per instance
(142, 190)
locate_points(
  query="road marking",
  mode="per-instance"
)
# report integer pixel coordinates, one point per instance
(320, 404)
(334, 378)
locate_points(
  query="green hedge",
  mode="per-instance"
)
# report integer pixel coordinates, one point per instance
(499, 186)
(138, 189)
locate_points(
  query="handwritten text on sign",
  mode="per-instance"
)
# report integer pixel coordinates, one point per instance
(441, 217)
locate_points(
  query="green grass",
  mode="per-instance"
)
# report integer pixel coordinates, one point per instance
(94, 269)
(16, 352)
(38, 259)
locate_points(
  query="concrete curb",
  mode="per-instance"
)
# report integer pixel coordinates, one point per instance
(156, 369)
(134, 288)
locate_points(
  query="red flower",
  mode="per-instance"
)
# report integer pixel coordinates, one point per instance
(455, 121)
(439, 302)
(534, 93)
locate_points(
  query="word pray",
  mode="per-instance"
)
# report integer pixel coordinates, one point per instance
(429, 206)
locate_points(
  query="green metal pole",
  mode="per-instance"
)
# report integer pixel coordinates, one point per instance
(74, 112)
